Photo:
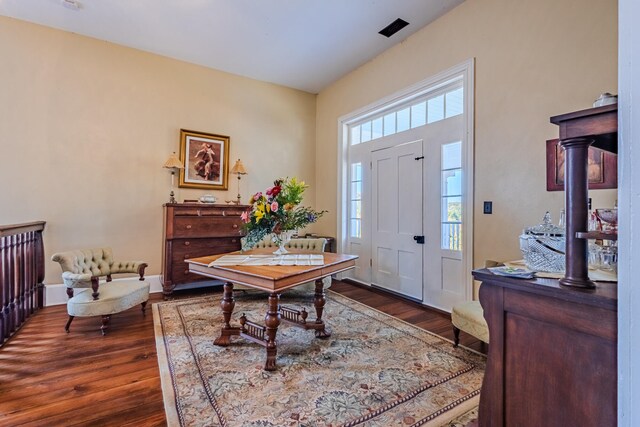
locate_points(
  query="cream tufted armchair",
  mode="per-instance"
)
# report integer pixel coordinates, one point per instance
(84, 268)
(311, 246)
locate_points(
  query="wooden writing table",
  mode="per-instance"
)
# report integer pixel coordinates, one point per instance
(273, 279)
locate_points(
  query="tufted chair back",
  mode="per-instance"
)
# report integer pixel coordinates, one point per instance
(96, 262)
(308, 245)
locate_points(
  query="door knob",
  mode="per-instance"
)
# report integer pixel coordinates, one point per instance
(419, 239)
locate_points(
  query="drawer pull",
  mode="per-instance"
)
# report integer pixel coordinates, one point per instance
(187, 256)
(186, 271)
(235, 225)
(234, 240)
(188, 226)
(187, 243)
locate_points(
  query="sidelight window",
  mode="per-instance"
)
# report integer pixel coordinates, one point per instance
(451, 195)
(355, 201)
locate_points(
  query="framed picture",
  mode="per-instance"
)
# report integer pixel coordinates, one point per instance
(602, 170)
(205, 157)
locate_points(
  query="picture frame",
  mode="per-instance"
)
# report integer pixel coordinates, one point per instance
(602, 171)
(205, 160)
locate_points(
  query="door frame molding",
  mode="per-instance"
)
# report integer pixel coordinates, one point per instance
(466, 70)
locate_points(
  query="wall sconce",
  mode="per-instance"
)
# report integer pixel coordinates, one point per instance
(173, 163)
(238, 169)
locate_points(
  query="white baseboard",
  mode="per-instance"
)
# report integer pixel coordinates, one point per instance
(57, 294)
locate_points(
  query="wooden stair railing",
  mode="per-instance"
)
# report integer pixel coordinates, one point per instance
(21, 275)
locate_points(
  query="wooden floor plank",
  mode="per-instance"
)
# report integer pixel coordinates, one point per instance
(48, 377)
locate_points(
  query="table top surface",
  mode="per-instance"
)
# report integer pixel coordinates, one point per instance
(271, 277)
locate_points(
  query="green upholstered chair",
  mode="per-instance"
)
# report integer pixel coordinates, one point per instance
(84, 269)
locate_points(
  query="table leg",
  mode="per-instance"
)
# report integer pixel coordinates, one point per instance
(272, 321)
(227, 304)
(319, 302)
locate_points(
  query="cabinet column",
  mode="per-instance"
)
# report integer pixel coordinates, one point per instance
(576, 189)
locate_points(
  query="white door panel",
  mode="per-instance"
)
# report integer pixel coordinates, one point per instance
(397, 218)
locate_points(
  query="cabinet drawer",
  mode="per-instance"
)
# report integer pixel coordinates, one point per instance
(180, 274)
(193, 248)
(202, 211)
(206, 226)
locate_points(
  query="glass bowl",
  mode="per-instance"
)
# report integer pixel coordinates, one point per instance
(608, 217)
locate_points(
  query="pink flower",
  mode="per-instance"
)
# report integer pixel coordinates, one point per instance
(257, 196)
(245, 216)
(274, 206)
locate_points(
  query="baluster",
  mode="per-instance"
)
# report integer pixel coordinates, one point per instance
(20, 283)
(34, 273)
(32, 267)
(12, 287)
(39, 260)
(454, 234)
(3, 293)
(7, 285)
(17, 281)
(27, 275)
(452, 237)
(24, 278)
(28, 306)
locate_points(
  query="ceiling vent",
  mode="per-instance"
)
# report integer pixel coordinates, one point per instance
(72, 4)
(393, 28)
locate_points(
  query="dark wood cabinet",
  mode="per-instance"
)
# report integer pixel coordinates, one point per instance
(194, 230)
(553, 355)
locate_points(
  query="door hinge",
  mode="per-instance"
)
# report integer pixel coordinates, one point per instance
(370, 262)
(420, 158)
(370, 165)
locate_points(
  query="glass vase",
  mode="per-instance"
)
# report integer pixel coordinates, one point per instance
(281, 239)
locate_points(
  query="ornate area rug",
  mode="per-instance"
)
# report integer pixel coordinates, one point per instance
(374, 370)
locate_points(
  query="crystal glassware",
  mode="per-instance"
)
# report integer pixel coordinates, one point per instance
(608, 217)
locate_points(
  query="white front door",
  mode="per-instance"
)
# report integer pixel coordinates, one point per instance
(396, 259)
(383, 206)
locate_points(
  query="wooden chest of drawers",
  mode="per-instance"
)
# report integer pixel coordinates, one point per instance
(195, 230)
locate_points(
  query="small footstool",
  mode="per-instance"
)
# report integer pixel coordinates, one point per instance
(115, 297)
(469, 317)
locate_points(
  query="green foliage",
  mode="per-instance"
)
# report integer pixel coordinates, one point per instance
(454, 211)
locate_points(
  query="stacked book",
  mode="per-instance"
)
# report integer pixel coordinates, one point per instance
(518, 273)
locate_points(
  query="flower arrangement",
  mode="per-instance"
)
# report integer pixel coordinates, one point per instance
(277, 211)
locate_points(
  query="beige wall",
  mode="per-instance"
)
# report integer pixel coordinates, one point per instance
(85, 127)
(534, 59)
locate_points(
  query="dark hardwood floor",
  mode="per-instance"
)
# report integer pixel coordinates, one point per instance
(49, 378)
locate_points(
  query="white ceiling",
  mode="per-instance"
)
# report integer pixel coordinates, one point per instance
(303, 44)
